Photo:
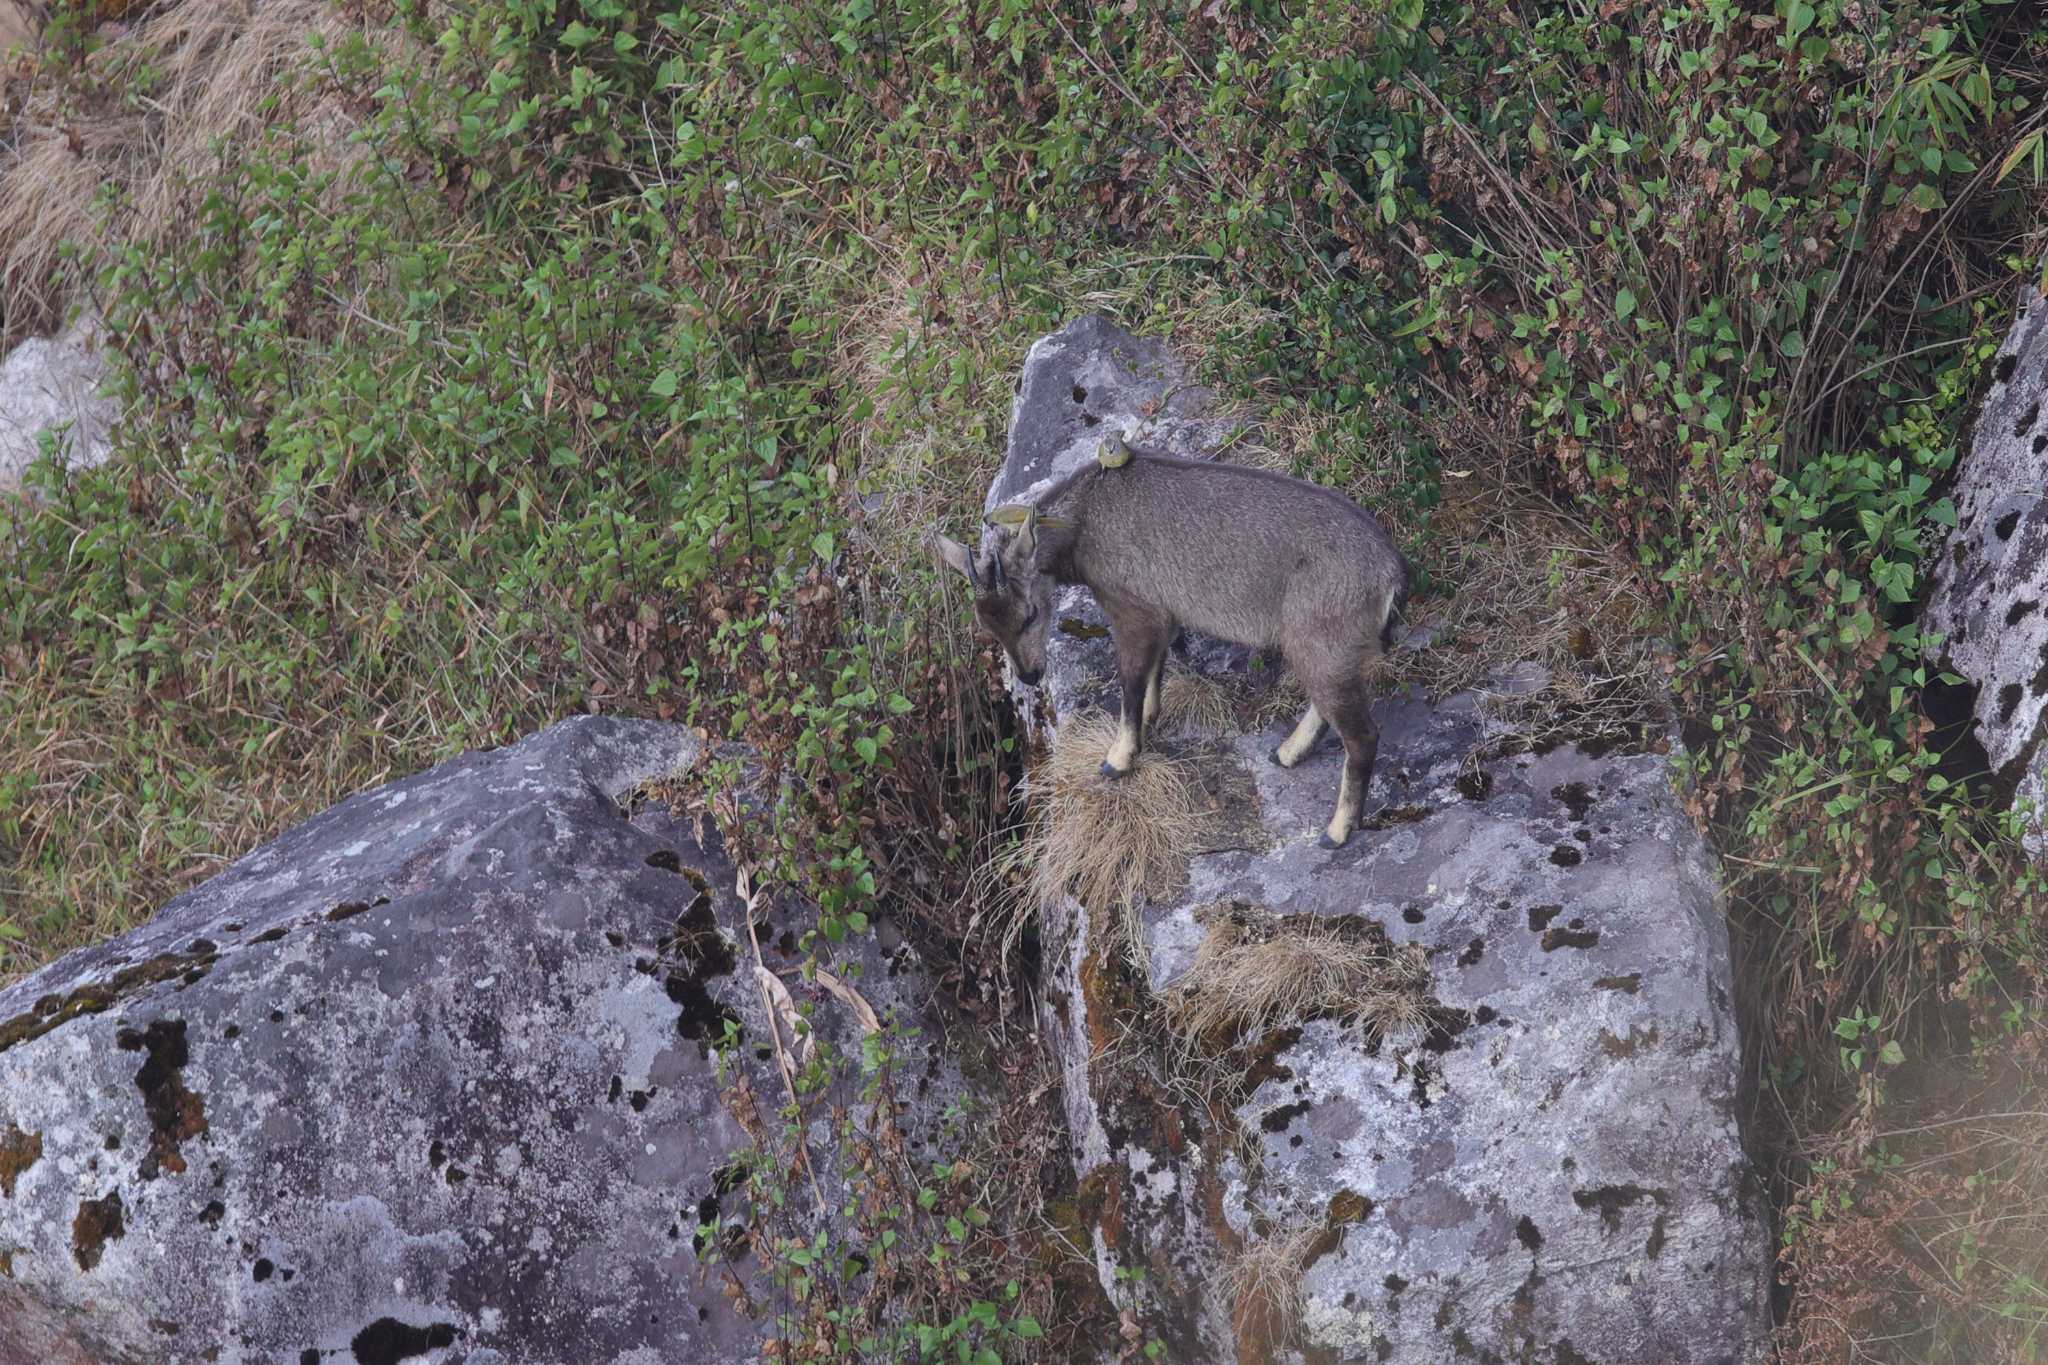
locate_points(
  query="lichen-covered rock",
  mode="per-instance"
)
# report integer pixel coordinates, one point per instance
(1547, 1170)
(1990, 598)
(431, 1076)
(48, 382)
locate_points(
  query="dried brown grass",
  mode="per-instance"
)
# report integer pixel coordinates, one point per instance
(1099, 841)
(202, 76)
(1263, 1280)
(1528, 583)
(1254, 972)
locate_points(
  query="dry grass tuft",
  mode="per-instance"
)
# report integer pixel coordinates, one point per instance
(1100, 841)
(1254, 972)
(1264, 1284)
(214, 72)
(1531, 584)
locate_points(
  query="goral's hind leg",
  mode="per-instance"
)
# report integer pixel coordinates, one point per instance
(1352, 718)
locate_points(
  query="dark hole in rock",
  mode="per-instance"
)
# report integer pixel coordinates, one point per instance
(1441, 1025)
(1564, 855)
(262, 1270)
(1082, 630)
(2027, 419)
(2003, 527)
(98, 1222)
(665, 859)
(638, 1099)
(786, 945)
(1575, 923)
(2006, 365)
(1584, 836)
(436, 1154)
(1540, 916)
(232, 927)
(1485, 1014)
(1395, 1284)
(175, 1113)
(309, 1356)
(1276, 1120)
(1952, 707)
(1553, 939)
(1413, 914)
(1080, 394)
(231, 1032)
(2008, 701)
(1577, 798)
(702, 954)
(618, 1088)
(2041, 443)
(1476, 785)
(615, 938)
(1090, 419)
(286, 1274)
(1655, 1247)
(269, 935)
(2019, 611)
(1474, 950)
(456, 1175)
(213, 1213)
(1627, 985)
(277, 1016)
(1395, 815)
(1610, 1200)
(1526, 1233)
(388, 1341)
(348, 910)
(202, 946)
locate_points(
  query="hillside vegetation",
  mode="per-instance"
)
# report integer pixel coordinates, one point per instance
(499, 359)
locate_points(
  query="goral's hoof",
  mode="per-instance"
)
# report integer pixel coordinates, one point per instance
(1278, 762)
(1324, 840)
(1112, 772)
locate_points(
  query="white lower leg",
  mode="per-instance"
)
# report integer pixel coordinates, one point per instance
(1296, 745)
(1346, 817)
(1124, 752)
(1155, 687)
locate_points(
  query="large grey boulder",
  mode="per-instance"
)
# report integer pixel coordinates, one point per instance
(1548, 1169)
(53, 384)
(432, 1076)
(1990, 597)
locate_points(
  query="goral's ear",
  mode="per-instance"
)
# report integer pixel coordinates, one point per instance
(958, 558)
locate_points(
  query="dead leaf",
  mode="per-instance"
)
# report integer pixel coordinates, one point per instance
(852, 999)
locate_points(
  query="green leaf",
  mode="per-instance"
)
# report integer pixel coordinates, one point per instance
(1029, 1329)
(1792, 345)
(1624, 304)
(1891, 1054)
(867, 749)
(664, 385)
(578, 35)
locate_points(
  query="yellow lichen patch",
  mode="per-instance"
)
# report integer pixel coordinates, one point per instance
(18, 1152)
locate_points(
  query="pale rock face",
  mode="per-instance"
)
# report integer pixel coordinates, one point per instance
(1550, 1170)
(1990, 598)
(52, 383)
(430, 1077)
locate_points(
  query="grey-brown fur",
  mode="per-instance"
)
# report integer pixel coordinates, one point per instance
(1241, 554)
